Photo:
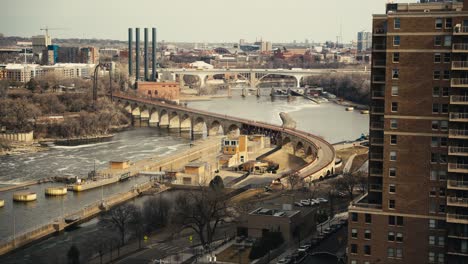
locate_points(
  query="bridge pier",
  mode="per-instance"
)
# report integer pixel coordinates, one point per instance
(298, 80)
(136, 121)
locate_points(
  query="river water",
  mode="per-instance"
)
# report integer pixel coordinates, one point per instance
(328, 120)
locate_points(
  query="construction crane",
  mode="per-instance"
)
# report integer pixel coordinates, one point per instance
(46, 29)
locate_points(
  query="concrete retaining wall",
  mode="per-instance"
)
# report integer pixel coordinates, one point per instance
(20, 137)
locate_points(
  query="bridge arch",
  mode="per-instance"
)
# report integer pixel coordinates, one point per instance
(185, 123)
(287, 145)
(233, 130)
(164, 118)
(154, 118)
(174, 120)
(215, 128)
(199, 125)
(128, 107)
(144, 115)
(300, 150)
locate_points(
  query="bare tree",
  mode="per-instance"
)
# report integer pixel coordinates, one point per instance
(156, 213)
(120, 218)
(293, 180)
(201, 211)
(347, 183)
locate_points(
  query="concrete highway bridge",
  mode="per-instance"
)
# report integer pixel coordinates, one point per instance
(319, 154)
(255, 76)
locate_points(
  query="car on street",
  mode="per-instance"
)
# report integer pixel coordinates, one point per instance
(304, 248)
(285, 260)
(321, 200)
(298, 204)
(305, 202)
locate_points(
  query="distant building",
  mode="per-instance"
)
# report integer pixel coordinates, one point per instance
(40, 43)
(364, 41)
(24, 72)
(69, 55)
(107, 52)
(50, 55)
(89, 55)
(3, 72)
(201, 65)
(169, 91)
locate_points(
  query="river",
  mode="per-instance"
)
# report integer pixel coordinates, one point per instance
(328, 120)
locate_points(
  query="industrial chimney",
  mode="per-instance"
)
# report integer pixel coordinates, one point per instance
(154, 75)
(137, 55)
(130, 43)
(146, 55)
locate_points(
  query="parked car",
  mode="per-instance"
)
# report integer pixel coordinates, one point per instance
(298, 204)
(305, 202)
(322, 200)
(285, 260)
(304, 248)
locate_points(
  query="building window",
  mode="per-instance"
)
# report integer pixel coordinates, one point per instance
(435, 125)
(445, 91)
(396, 23)
(447, 57)
(353, 261)
(391, 204)
(393, 156)
(435, 91)
(394, 106)
(391, 252)
(447, 41)
(399, 253)
(391, 220)
(441, 191)
(393, 124)
(393, 139)
(435, 108)
(436, 75)
(441, 258)
(367, 234)
(438, 23)
(354, 249)
(432, 223)
(396, 74)
(443, 125)
(367, 250)
(391, 188)
(442, 158)
(446, 75)
(441, 241)
(441, 208)
(431, 257)
(445, 108)
(394, 90)
(368, 218)
(399, 237)
(354, 233)
(434, 157)
(396, 41)
(434, 142)
(437, 58)
(448, 22)
(392, 172)
(433, 192)
(431, 240)
(433, 176)
(437, 41)
(442, 175)
(399, 220)
(391, 235)
(396, 57)
(354, 217)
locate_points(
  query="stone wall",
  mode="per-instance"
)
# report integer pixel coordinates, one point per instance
(21, 137)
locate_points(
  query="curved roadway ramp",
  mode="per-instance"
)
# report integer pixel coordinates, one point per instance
(323, 153)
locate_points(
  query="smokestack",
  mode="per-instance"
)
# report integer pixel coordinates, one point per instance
(130, 40)
(137, 57)
(154, 76)
(146, 55)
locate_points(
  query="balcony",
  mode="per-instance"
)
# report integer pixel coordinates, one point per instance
(378, 47)
(460, 47)
(375, 187)
(379, 79)
(459, 82)
(379, 64)
(378, 94)
(460, 30)
(458, 151)
(362, 204)
(377, 125)
(377, 141)
(457, 185)
(457, 218)
(380, 110)
(459, 117)
(457, 235)
(380, 31)
(459, 99)
(458, 133)
(458, 167)
(459, 65)
(457, 201)
(376, 156)
(374, 172)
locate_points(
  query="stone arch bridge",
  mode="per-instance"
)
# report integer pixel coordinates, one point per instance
(318, 153)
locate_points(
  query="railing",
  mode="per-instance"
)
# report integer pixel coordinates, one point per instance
(359, 203)
(375, 187)
(457, 217)
(378, 78)
(457, 116)
(380, 63)
(460, 46)
(375, 171)
(458, 184)
(457, 149)
(458, 200)
(376, 140)
(457, 166)
(459, 99)
(378, 94)
(458, 132)
(378, 109)
(459, 81)
(377, 125)
(380, 30)
(460, 29)
(459, 64)
(376, 156)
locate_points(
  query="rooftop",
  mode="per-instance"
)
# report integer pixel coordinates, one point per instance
(274, 212)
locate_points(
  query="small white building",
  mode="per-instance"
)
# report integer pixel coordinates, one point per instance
(201, 65)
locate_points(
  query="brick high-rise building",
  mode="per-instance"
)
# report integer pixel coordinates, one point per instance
(416, 209)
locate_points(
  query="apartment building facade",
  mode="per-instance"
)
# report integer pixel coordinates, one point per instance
(416, 209)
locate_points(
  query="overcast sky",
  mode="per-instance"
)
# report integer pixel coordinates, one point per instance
(192, 20)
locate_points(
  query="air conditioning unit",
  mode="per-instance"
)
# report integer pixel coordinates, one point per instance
(427, 10)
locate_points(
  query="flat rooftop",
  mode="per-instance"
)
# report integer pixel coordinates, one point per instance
(274, 212)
